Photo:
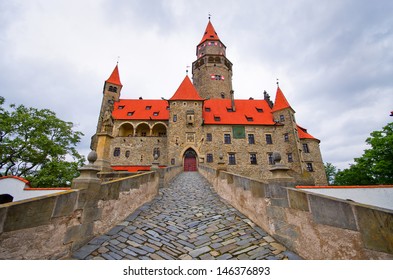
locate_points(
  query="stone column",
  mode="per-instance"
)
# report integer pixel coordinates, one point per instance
(279, 170)
(88, 177)
(103, 151)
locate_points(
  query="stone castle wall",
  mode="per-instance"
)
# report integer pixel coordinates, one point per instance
(312, 225)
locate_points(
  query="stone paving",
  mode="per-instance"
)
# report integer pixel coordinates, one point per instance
(187, 220)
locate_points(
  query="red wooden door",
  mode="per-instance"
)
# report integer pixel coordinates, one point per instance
(190, 164)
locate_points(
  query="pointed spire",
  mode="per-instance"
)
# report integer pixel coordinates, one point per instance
(115, 77)
(210, 33)
(280, 102)
(186, 91)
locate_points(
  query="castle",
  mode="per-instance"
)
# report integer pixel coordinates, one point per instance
(203, 123)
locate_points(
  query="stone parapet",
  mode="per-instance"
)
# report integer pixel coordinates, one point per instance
(312, 225)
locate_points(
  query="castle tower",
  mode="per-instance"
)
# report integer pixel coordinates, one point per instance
(212, 71)
(111, 93)
(185, 126)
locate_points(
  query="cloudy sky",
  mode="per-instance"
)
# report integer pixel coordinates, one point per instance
(334, 59)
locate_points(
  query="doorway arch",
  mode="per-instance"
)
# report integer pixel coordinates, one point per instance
(190, 160)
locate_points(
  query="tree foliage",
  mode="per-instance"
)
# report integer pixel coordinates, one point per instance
(35, 144)
(331, 172)
(375, 166)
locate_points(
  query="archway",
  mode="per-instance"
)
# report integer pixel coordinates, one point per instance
(126, 130)
(190, 160)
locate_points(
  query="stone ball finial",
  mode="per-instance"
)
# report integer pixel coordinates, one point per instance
(276, 157)
(92, 157)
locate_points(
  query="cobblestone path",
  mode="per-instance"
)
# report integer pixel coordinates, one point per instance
(186, 221)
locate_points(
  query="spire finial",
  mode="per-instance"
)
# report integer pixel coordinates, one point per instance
(187, 69)
(278, 84)
(210, 16)
(118, 58)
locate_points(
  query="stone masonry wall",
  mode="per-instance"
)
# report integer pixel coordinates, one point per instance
(51, 227)
(314, 226)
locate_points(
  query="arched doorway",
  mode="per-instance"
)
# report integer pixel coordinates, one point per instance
(190, 160)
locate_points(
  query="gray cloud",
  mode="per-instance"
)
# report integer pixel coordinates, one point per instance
(333, 58)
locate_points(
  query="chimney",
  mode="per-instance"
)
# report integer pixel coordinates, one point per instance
(233, 101)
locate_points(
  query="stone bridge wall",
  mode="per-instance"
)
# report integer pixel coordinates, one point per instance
(312, 225)
(53, 226)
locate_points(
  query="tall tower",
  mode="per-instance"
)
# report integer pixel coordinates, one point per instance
(212, 71)
(111, 93)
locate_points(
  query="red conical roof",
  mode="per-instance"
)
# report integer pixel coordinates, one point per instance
(115, 77)
(210, 33)
(280, 102)
(186, 91)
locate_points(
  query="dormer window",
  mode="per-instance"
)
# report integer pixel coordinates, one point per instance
(229, 109)
(130, 113)
(120, 107)
(207, 109)
(217, 118)
(148, 108)
(259, 110)
(249, 119)
(156, 114)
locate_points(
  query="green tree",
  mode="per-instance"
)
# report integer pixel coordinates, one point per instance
(375, 166)
(37, 145)
(331, 171)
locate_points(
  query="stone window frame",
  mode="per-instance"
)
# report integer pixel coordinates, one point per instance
(286, 137)
(174, 118)
(253, 159)
(269, 138)
(282, 118)
(231, 158)
(209, 137)
(209, 157)
(290, 157)
(309, 167)
(227, 138)
(251, 138)
(306, 149)
(116, 152)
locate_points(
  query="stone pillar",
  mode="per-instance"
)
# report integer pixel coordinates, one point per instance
(103, 151)
(88, 177)
(279, 170)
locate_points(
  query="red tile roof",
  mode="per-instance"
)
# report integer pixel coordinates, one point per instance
(115, 77)
(210, 33)
(186, 91)
(303, 134)
(248, 112)
(141, 109)
(280, 102)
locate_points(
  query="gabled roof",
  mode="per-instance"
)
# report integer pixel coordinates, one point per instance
(141, 109)
(210, 33)
(280, 102)
(303, 134)
(248, 112)
(186, 91)
(115, 77)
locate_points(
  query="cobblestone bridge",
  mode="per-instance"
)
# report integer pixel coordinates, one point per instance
(187, 220)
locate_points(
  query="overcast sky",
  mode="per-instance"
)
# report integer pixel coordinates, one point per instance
(334, 59)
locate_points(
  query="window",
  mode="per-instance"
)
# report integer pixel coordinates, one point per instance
(148, 107)
(286, 137)
(229, 109)
(251, 139)
(282, 118)
(209, 137)
(305, 148)
(161, 134)
(227, 138)
(259, 110)
(290, 157)
(127, 154)
(174, 118)
(143, 133)
(217, 118)
(222, 95)
(116, 152)
(253, 158)
(309, 167)
(207, 109)
(156, 114)
(270, 158)
(231, 159)
(120, 107)
(209, 157)
(156, 151)
(112, 89)
(249, 119)
(269, 139)
(130, 113)
(172, 161)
